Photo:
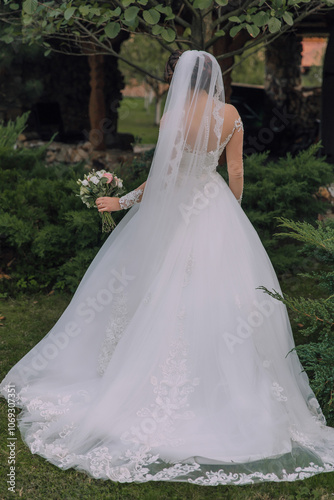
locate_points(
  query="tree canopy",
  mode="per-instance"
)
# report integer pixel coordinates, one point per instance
(93, 26)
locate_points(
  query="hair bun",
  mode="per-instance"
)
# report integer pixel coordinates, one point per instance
(170, 65)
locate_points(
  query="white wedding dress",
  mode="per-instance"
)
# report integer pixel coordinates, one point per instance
(170, 363)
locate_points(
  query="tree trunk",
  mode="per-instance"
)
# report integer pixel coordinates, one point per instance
(97, 108)
(223, 46)
(327, 114)
(284, 100)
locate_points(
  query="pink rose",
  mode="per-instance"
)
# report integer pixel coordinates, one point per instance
(109, 177)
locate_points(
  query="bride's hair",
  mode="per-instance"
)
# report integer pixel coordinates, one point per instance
(170, 65)
(206, 74)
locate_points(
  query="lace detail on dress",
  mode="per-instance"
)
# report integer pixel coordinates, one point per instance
(115, 329)
(219, 120)
(214, 478)
(128, 200)
(170, 404)
(140, 463)
(188, 270)
(238, 126)
(277, 391)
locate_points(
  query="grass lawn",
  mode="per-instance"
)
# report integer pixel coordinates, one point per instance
(27, 320)
(134, 119)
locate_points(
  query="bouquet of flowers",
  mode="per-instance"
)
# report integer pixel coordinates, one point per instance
(96, 184)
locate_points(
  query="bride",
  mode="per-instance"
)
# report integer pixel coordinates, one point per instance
(169, 363)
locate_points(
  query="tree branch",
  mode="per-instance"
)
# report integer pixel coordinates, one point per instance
(269, 37)
(248, 3)
(110, 51)
(194, 11)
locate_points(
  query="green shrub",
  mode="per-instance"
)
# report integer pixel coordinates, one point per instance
(49, 237)
(10, 132)
(283, 188)
(315, 317)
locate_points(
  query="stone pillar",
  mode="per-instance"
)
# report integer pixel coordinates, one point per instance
(97, 108)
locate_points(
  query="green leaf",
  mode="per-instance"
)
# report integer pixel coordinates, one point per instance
(288, 18)
(168, 34)
(167, 11)
(162, 8)
(7, 38)
(26, 20)
(187, 33)
(14, 6)
(69, 13)
(261, 18)
(151, 16)
(47, 52)
(222, 3)
(84, 10)
(112, 30)
(116, 12)
(157, 30)
(54, 13)
(220, 33)
(95, 11)
(235, 30)
(274, 25)
(142, 2)
(234, 19)
(202, 4)
(253, 30)
(126, 3)
(29, 6)
(133, 24)
(130, 14)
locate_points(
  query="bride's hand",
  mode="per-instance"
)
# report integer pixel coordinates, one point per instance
(107, 204)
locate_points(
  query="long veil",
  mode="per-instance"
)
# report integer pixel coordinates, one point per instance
(130, 260)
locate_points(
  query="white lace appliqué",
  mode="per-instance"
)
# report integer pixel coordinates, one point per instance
(129, 199)
(139, 462)
(277, 391)
(238, 126)
(188, 270)
(115, 329)
(171, 394)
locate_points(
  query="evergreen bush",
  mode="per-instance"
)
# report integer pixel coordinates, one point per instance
(283, 188)
(315, 317)
(48, 237)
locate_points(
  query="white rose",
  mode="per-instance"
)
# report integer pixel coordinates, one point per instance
(119, 183)
(100, 173)
(94, 179)
(85, 182)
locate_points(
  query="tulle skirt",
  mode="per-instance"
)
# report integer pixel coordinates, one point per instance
(170, 364)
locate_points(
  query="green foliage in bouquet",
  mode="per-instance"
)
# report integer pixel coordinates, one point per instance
(315, 317)
(283, 188)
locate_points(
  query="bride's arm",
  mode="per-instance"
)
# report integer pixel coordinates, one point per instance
(112, 204)
(234, 160)
(133, 197)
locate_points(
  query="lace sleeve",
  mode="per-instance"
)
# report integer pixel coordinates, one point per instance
(129, 199)
(234, 160)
